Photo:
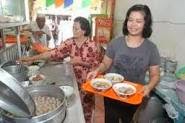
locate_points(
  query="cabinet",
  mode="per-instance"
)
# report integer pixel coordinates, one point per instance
(10, 51)
(13, 15)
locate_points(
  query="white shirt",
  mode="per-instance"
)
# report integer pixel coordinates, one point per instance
(34, 27)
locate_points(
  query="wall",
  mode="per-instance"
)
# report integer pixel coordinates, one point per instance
(168, 27)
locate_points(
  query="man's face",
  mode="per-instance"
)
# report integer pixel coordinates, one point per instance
(40, 21)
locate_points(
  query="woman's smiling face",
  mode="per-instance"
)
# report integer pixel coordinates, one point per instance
(135, 23)
(77, 31)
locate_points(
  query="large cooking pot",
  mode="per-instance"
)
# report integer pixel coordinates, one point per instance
(17, 70)
(54, 116)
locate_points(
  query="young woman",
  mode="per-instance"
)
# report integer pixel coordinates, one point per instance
(131, 55)
(84, 54)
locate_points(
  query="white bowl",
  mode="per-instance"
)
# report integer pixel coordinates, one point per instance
(37, 79)
(39, 63)
(33, 69)
(114, 77)
(25, 83)
(68, 90)
(124, 89)
(101, 84)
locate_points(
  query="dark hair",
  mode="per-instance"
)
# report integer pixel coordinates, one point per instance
(147, 31)
(84, 25)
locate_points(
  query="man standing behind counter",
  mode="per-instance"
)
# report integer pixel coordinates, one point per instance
(40, 31)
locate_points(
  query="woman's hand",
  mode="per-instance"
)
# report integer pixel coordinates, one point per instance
(75, 61)
(146, 91)
(154, 74)
(78, 62)
(26, 60)
(92, 75)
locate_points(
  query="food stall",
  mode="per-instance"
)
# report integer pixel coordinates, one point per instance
(61, 74)
(52, 72)
(10, 23)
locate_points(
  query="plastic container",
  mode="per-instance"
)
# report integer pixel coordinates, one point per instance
(181, 73)
(180, 90)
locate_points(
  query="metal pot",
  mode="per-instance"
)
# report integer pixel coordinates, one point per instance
(17, 70)
(55, 116)
(14, 98)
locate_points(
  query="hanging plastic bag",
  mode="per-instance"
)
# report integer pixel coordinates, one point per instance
(172, 113)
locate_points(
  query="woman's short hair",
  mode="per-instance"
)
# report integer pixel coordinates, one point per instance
(147, 31)
(84, 25)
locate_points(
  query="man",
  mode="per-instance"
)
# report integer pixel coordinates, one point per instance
(40, 31)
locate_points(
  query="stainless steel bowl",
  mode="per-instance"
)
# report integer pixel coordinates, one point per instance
(55, 116)
(17, 70)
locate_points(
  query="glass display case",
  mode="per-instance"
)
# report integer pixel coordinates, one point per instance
(17, 9)
(13, 14)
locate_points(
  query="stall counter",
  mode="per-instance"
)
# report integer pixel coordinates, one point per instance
(62, 74)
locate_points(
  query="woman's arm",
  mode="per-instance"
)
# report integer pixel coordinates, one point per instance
(154, 76)
(106, 63)
(42, 56)
(54, 54)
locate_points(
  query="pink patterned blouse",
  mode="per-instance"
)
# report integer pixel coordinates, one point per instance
(88, 53)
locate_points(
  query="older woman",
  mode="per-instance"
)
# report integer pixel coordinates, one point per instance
(84, 54)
